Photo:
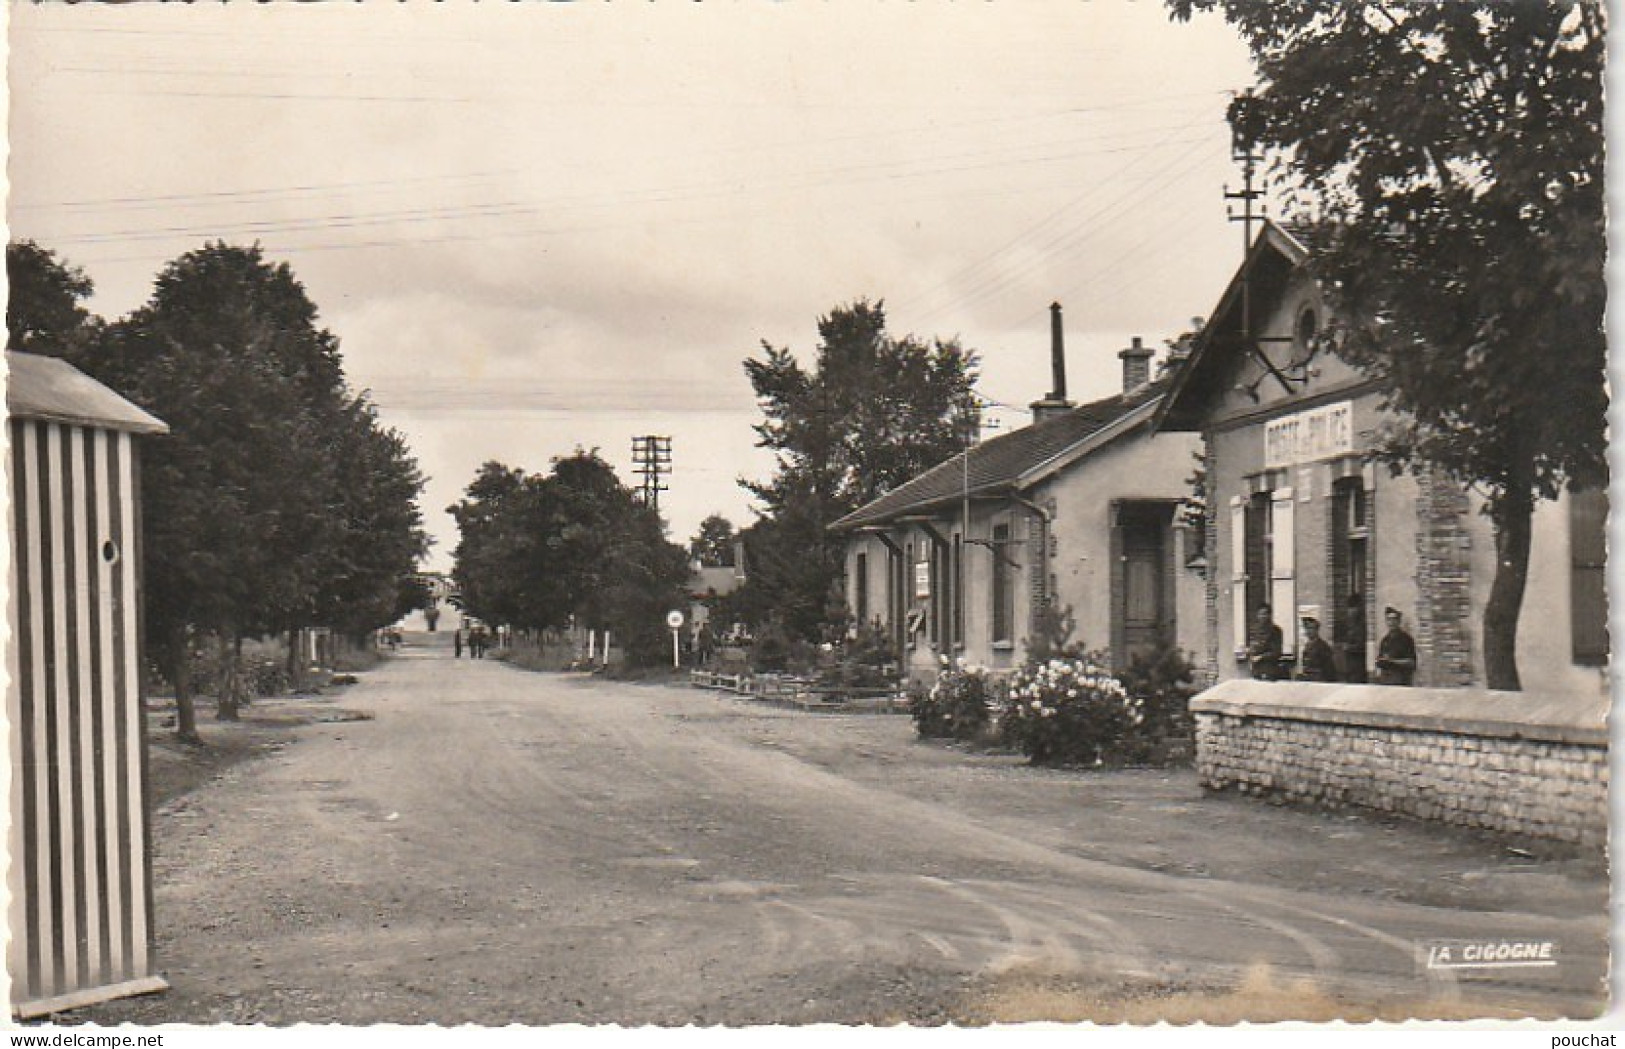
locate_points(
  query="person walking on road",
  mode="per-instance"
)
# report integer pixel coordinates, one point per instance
(457, 643)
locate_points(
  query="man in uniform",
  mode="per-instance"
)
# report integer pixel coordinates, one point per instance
(1264, 653)
(1396, 653)
(1316, 662)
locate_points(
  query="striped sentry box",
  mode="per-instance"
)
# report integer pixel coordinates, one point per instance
(80, 888)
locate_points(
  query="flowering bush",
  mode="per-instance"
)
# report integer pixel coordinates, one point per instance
(958, 705)
(1072, 712)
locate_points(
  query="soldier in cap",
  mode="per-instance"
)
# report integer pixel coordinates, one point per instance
(1316, 663)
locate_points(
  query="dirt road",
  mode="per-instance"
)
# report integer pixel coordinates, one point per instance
(496, 846)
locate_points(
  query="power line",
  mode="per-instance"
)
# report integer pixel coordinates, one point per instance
(1047, 222)
(1061, 240)
(503, 210)
(213, 198)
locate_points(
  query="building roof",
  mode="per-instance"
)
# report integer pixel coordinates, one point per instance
(1276, 253)
(1014, 461)
(715, 579)
(53, 390)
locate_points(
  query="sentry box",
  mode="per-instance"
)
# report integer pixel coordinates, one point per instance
(80, 870)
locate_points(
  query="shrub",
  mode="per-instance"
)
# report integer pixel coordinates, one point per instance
(771, 652)
(1072, 712)
(261, 668)
(1052, 635)
(265, 677)
(958, 705)
(862, 662)
(1164, 683)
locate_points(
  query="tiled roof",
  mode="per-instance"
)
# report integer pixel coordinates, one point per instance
(1312, 236)
(55, 391)
(712, 579)
(998, 463)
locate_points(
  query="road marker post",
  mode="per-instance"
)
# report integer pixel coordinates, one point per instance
(674, 619)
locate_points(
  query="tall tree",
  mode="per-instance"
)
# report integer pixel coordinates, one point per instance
(499, 525)
(1453, 154)
(378, 537)
(713, 544)
(44, 302)
(874, 411)
(238, 499)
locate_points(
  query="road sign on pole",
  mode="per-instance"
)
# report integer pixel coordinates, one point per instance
(674, 619)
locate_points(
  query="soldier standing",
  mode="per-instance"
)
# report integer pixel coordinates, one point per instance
(1264, 654)
(1316, 663)
(1396, 653)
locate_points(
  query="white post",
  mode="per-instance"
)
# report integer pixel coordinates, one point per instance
(592, 638)
(606, 648)
(676, 662)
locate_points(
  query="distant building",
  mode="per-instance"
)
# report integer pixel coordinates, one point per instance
(707, 583)
(1078, 511)
(1304, 520)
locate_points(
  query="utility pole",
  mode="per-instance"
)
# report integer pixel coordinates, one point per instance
(1243, 116)
(651, 459)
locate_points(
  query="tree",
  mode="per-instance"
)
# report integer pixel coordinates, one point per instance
(243, 502)
(44, 314)
(534, 551)
(713, 544)
(873, 412)
(1452, 154)
(379, 538)
(412, 593)
(500, 564)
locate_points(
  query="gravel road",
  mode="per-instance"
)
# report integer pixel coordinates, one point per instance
(495, 846)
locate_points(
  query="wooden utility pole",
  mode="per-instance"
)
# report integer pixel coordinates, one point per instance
(651, 460)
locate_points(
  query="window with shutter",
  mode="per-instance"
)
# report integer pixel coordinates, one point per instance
(1588, 595)
(1004, 605)
(1283, 587)
(860, 589)
(959, 590)
(1240, 523)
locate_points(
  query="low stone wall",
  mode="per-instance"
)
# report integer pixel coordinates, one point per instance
(1515, 763)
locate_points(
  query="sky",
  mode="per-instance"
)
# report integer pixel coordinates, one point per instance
(541, 227)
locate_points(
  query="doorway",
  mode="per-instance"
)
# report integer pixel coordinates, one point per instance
(1143, 619)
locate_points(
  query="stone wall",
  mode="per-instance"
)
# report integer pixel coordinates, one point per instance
(1513, 763)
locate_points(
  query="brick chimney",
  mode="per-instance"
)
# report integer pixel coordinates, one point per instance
(1054, 403)
(1136, 366)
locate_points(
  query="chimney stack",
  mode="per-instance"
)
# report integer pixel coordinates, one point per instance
(1057, 353)
(1136, 366)
(1054, 402)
